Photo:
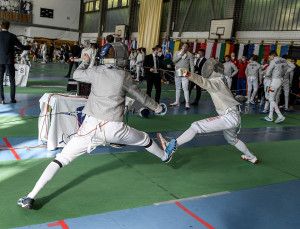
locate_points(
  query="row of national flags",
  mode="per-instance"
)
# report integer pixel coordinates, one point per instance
(221, 49)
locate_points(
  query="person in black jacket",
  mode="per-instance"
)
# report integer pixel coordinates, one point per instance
(75, 53)
(152, 64)
(199, 62)
(8, 42)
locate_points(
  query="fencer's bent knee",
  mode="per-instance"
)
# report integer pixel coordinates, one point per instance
(62, 159)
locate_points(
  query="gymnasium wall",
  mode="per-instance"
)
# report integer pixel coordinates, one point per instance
(66, 13)
(66, 16)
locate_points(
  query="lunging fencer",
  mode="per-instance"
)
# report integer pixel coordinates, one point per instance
(213, 80)
(104, 111)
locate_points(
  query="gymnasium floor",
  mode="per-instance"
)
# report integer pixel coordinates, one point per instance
(205, 186)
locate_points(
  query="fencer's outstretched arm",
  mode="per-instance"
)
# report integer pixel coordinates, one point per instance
(140, 96)
(177, 57)
(207, 84)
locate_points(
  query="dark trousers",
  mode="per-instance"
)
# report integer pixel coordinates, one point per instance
(71, 64)
(154, 79)
(10, 70)
(234, 83)
(198, 91)
(241, 87)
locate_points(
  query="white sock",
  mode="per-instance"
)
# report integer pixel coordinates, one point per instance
(243, 148)
(47, 175)
(157, 151)
(187, 136)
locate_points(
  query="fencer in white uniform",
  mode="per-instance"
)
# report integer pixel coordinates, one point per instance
(228, 119)
(253, 71)
(104, 111)
(230, 70)
(286, 83)
(276, 70)
(183, 59)
(267, 83)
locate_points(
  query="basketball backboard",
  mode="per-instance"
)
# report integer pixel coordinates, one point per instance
(221, 29)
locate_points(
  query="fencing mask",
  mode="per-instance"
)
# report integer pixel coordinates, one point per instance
(210, 66)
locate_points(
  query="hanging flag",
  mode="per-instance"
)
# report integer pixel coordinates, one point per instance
(273, 47)
(278, 50)
(267, 50)
(134, 44)
(208, 50)
(284, 50)
(171, 45)
(260, 53)
(246, 48)
(231, 49)
(218, 51)
(241, 51)
(176, 45)
(214, 50)
(227, 49)
(256, 49)
(250, 51)
(203, 45)
(222, 52)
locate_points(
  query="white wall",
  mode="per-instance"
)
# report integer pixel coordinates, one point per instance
(66, 13)
(269, 36)
(31, 31)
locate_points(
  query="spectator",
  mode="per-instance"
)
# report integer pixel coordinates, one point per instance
(183, 59)
(241, 77)
(235, 61)
(199, 62)
(8, 42)
(75, 53)
(44, 52)
(51, 52)
(230, 70)
(139, 64)
(132, 60)
(152, 65)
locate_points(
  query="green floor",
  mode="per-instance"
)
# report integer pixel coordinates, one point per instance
(101, 183)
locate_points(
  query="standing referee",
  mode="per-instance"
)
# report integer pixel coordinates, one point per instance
(8, 42)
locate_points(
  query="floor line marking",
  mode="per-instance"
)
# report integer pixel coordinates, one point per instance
(60, 223)
(192, 214)
(192, 198)
(11, 148)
